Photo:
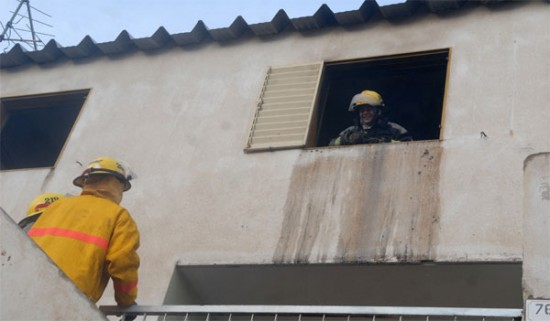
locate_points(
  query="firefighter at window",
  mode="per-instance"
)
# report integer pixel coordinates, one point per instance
(372, 126)
(36, 207)
(91, 237)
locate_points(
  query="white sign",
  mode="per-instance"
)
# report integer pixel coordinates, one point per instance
(538, 310)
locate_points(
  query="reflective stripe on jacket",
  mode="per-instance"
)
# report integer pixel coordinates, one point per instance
(92, 239)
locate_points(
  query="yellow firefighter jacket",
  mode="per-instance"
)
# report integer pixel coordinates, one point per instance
(92, 239)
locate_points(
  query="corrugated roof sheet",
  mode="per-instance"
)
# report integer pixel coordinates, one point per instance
(324, 17)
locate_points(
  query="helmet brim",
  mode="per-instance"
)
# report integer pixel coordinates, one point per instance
(79, 181)
(29, 219)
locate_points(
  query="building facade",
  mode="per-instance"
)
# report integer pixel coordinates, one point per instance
(239, 199)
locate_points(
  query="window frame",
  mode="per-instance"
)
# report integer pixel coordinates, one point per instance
(420, 59)
(64, 103)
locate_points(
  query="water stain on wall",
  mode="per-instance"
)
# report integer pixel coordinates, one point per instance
(370, 203)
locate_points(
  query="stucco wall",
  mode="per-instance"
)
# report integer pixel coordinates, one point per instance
(31, 286)
(180, 117)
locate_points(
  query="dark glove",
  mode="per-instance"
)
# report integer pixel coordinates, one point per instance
(351, 137)
(128, 316)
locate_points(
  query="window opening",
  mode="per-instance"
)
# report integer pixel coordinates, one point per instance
(307, 105)
(34, 129)
(411, 85)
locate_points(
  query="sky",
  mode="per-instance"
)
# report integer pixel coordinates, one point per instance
(69, 21)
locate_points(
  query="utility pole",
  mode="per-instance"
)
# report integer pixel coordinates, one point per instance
(10, 28)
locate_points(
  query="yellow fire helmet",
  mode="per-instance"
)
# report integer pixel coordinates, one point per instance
(105, 166)
(366, 97)
(39, 203)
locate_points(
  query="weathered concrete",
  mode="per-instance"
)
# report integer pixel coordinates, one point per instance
(31, 285)
(536, 225)
(351, 205)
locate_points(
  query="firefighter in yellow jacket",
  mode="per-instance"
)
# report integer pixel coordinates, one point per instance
(91, 237)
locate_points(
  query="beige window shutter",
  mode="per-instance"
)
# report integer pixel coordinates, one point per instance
(285, 108)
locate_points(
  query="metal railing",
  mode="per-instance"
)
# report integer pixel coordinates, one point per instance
(310, 313)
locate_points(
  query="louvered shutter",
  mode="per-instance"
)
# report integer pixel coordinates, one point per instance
(285, 108)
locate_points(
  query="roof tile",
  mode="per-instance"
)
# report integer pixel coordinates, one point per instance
(123, 43)
(159, 39)
(198, 34)
(277, 24)
(322, 18)
(86, 48)
(49, 53)
(237, 28)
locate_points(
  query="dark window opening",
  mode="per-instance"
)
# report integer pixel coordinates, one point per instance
(412, 87)
(34, 129)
